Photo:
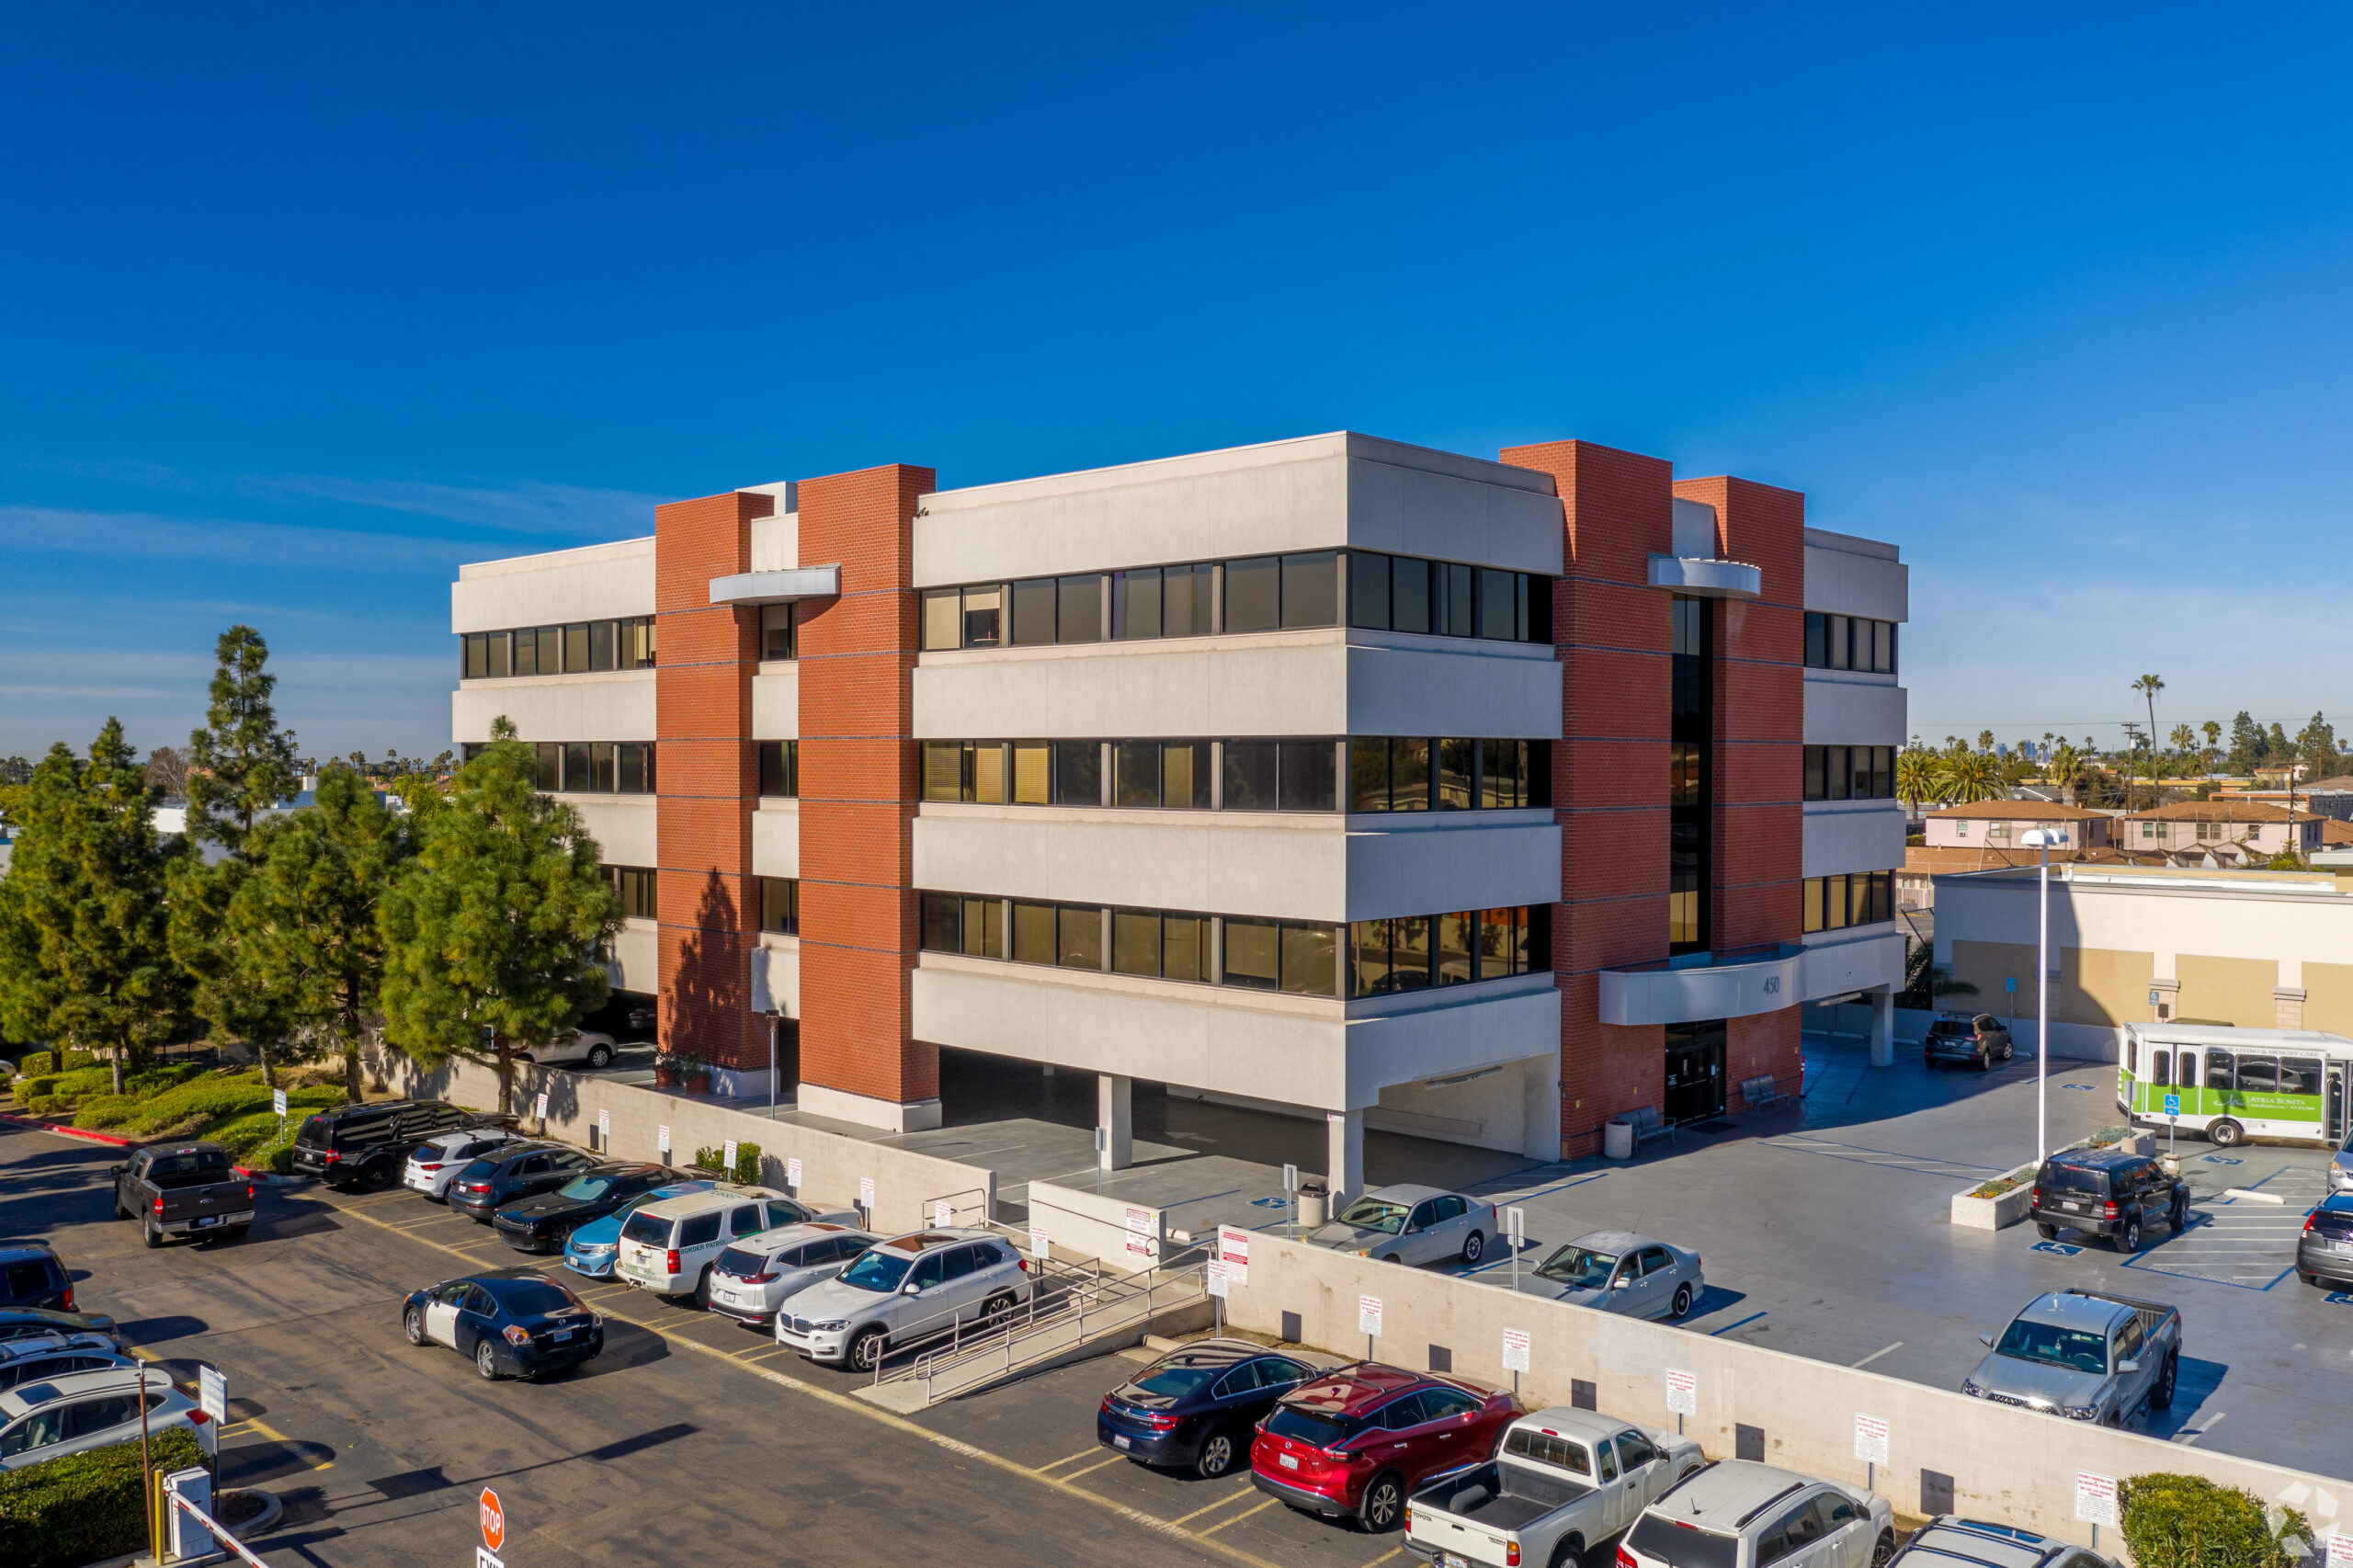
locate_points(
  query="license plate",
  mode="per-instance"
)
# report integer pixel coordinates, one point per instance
(559, 1338)
(2071, 1203)
(1124, 1442)
(208, 1220)
(730, 1297)
(1287, 1461)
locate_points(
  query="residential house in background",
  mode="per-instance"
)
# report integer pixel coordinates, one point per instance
(2259, 828)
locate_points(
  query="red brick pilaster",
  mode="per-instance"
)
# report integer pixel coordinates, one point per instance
(859, 790)
(708, 780)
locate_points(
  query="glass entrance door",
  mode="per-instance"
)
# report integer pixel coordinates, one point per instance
(1695, 1072)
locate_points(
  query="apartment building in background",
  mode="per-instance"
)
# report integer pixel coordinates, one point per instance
(1480, 800)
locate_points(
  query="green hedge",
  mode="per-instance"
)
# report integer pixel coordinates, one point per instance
(37, 1062)
(88, 1507)
(2188, 1521)
(747, 1163)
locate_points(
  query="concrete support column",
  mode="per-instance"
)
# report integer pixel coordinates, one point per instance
(1344, 1159)
(1115, 1111)
(1882, 1006)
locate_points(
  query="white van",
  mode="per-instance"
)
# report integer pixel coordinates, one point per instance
(668, 1247)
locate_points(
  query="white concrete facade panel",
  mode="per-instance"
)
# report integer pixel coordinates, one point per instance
(1861, 958)
(614, 707)
(623, 827)
(776, 839)
(1440, 685)
(1852, 836)
(1843, 709)
(595, 583)
(637, 958)
(776, 975)
(775, 701)
(1659, 995)
(776, 542)
(1846, 575)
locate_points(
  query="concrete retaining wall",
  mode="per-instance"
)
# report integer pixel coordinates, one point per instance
(2001, 1463)
(832, 1167)
(2070, 1042)
(1103, 1228)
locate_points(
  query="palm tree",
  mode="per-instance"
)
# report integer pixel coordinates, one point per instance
(1985, 740)
(2184, 739)
(2213, 742)
(2066, 769)
(2148, 687)
(1917, 776)
(1975, 776)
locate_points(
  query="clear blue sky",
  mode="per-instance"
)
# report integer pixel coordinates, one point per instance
(300, 307)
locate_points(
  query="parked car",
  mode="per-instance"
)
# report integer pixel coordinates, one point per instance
(1966, 1040)
(366, 1145)
(1563, 1480)
(1195, 1408)
(513, 1321)
(1411, 1225)
(575, 1047)
(2340, 1167)
(1746, 1512)
(32, 1275)
(183, 1191)
(1620, 1271)
(27, 1323)
(92, 1410)
(541, 1222)
(1947, 1542)
(435, 1163)
(1357, 1439)
(513, 1170)
(903, 1291)
(757, 1274)
(2325, 1251)
(2107, 1192)
(2084, 1355)
(590, 1250)
(670, 1247)
(39, 1355)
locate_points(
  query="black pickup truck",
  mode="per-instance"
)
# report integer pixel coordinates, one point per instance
(186, 1190)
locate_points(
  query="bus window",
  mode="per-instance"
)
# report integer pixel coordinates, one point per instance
(2160, 1066)
(2187, 1077)
(2218, 1070)
(2300, 1075)
(2260, 1075)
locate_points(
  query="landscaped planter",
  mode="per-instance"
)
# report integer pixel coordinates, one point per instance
(2003, 1209)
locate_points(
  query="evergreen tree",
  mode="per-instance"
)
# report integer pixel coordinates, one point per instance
(83, 961)
(492, 931)
(2247, 745)
(241, 763)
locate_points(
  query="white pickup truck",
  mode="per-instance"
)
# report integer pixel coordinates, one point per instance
(1561, 1483)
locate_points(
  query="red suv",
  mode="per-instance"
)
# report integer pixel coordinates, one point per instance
(1357, 1439)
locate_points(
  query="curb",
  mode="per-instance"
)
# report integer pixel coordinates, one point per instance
(272, 1511)
(31, 1124)
(2251, 1196)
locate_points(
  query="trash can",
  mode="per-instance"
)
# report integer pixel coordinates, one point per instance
(1617, 1139)
(1314, 1202)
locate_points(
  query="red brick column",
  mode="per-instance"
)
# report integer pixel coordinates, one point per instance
(707, 780)
(858, 791)
(1609, 772)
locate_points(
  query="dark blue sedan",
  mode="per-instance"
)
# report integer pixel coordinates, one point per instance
(511, 1323)
(1194, 1407)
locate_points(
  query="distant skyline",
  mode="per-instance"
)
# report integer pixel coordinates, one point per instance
(304, 309)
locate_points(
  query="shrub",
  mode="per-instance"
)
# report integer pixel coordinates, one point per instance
(74, 1059)
(33, 1089)
(100, 1111)
(85, 1081)
(36, 1062)
(747, 1169)
(88, 1507)
(2188, 1521)
(155, 1080)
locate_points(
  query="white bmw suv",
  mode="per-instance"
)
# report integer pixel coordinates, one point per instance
(903, 1291)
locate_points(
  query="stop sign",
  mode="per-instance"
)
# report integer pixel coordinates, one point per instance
(493, 1520)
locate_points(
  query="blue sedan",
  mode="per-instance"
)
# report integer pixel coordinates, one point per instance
(510, 1323)
(1194, 1407)
(590, 1249)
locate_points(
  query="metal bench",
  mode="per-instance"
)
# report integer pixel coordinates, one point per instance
(1761, 1092)
(1647, 1124)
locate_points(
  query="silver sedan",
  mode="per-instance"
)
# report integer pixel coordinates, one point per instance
(1411, 1225)
(1619, 1271)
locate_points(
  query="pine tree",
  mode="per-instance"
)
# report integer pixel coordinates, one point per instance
(2247, 745)
(241, 763)
(492, 930)
(83, 960)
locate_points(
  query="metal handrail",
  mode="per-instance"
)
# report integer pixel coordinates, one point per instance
(1117, 1296)
(1049, 1277)
(950, 1199)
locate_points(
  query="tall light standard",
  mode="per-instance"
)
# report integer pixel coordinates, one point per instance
(2043, 840)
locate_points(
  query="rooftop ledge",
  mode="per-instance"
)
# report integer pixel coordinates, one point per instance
(1702, 577)
(1731, 985)
(777, 587)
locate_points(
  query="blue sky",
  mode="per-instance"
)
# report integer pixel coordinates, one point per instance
(300, 308)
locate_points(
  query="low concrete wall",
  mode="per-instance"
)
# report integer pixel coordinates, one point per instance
(1117, 1234)
(2001, 1463)
(2070, 1042)
(832, 1167)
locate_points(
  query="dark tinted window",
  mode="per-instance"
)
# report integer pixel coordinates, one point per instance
(534, 1297)
(1680, 1546)
(1400, 1414)
(26, 1280)
(1313, 1427)
(1253, 594)
(2075, 1179)
(699, 1230)
(192, 1168)
(2333, 1224)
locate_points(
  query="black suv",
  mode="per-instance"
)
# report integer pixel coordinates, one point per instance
(1976, 1041)
(2107, 1192)
(366, 1145)
(30, 1275)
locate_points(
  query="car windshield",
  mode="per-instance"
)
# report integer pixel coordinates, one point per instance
(2077, 1350)
(1313, 1427)
(192, 1168)
(1374, 1214)
(536, 1296)
(1175, 1382)
(586, 1187)
(1679, 1545)
(879, 1271)
(1580, 1266)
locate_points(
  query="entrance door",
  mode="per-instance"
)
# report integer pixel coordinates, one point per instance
(1695, 1072)
(2333, 1102)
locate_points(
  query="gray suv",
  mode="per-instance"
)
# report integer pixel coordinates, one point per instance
(1967, 1040)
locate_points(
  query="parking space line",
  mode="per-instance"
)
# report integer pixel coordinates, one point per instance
(1083, 1453)
(1720, 1332)
(1090, 1469)
(2186, 1438)
(1238, 1518)
(1874, 1355)
(1235, 1495)
(1393, 1551)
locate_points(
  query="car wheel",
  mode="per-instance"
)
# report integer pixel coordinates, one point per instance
(865, 1350)
(1568, 1554)
(2128, 1239)
(2045, 1232)
(1883, 1548)
(150, 1235)
(702, 1290)
(1985, 1062)
(1475, 1246)
(1385, 1500)
(600, 1056)
(485, 1360)
(2161, 1396)
(1682, 1301)
(2178, 1216)
(998, 1308)
(413, 1324)
(2225, 1133)
(1216, 1455)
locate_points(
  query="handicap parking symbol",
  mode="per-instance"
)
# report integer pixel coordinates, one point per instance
(2338, 1299)
(1275, 1202)
(2221, 1160)
(2063, 1248)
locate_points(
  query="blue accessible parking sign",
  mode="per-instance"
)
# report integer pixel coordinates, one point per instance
(2173, 1105)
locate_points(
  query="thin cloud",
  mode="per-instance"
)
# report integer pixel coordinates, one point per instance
(35, 530)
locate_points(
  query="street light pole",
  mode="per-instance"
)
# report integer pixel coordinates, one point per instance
(2042, 838)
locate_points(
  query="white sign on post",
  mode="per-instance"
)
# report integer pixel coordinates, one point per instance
(727, 1157)
(212, 1393)
(866, 1194)
(1142, 1232)
(1216, 1275)
(1291, 1178)
(1038, 1247)
(1233, 1252)
(278, 1101)
(2095, 1498)
(792, 1172)
(604, 1130)
(662, 1137)
(943, 1214)
(1516, 1350)
(2340, 1551)
(1871, 1439)
(1368, 1315)
(540, 1106)
(1682, 1392)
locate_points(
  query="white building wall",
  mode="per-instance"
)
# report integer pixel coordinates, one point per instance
(616, 705)
(623, 827)
(776, 839)
(776, 700)
(1842, 708)
(593, 583)
(637, 958)
(1847, 575)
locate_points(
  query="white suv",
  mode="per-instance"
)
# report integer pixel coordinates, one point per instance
(1743, 1515)
(435, 1162)
(759, 1273)
(669, 1247)
(904, 1290)
(91, 1410)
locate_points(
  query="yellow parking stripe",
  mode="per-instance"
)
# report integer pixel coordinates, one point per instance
(1083, 1453)
(1235, 1495)
(1240, 1517)
(1090, 1469)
